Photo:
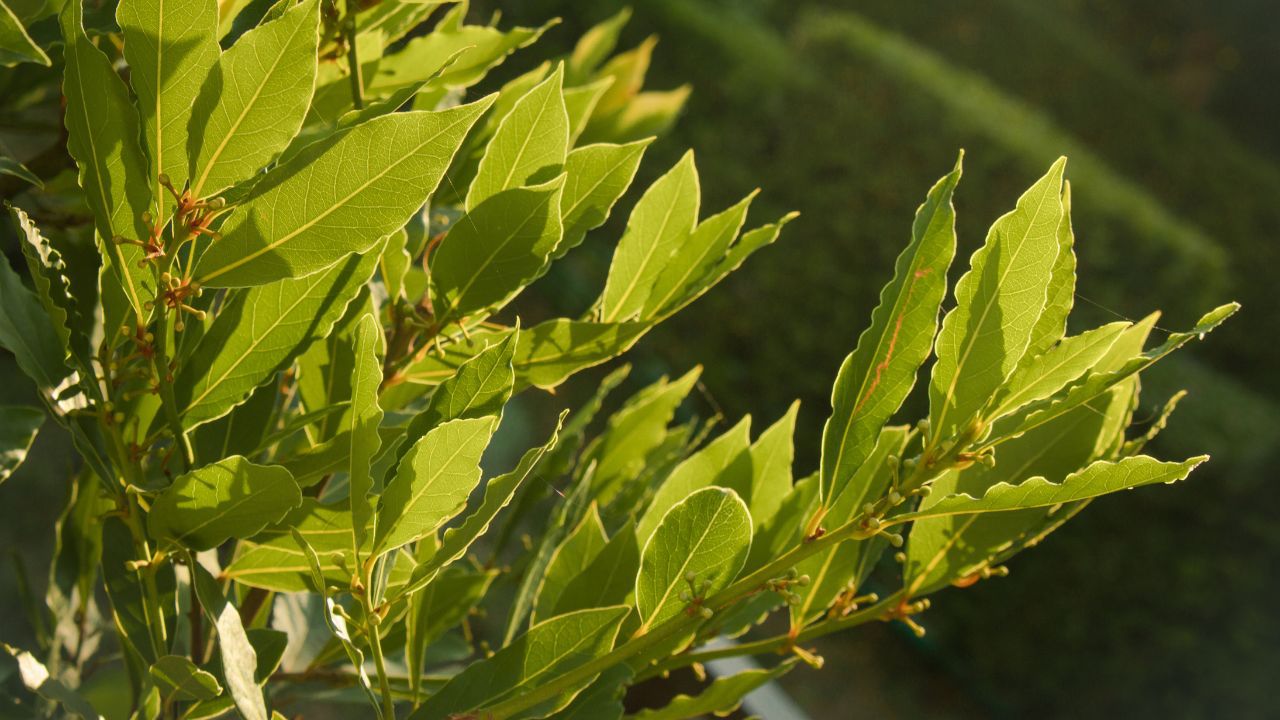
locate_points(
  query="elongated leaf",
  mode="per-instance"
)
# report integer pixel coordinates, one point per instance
(433, 482)
(11, 167)
(28, 332)
(660, 222)
(602, 699)
(1041, 376)
(1052, 324)
(876, 377)
(53, 286)
(441, 606)
(338, 624)
(102, 136)
(707, 537)
(362, 432)
(275, 561)
(580, 102)
(179, 679)
(595, 45)
(771, 458)
(570, 560)
(595, 177)
(529, 145)
(549, 649)
(695, 257)
(485, 47)
(1100, 478)
(720, 698)
(254, 100)
(482, 387)
(171, 47)
(497, 494)
(998, 303)
(749, 243)
(637, 428)
(239, 660)
(1097, 383)
(608, 579)
(16, 46)
(18, 427)
(259, 333)
(357, 190)
(36, 678)
(727, 454)
(232, 498)
(492, 252)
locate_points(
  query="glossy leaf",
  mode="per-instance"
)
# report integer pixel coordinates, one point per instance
(549, 649)
(998, 302)
(433, 481)
(36, 678)
(771, 457)
(259, 333)
(27, 332)
(720, 698)
(696, 256)
(529, 145)
(274, 560)
(232, 498)
(440, 606)
(609, 577)
(171, 47)
(707, 537)
(659, 224)
(1052, 324)
(238, 657)
(1041, 376)
(52, 284)
(1100, 478)
(727, 454)
(878, 375)
(102, 136)
(179, 679)
(595, 177)
(357, 190)
(16, 46)
(254, 100)
(482, 386)
(362, 437)
(570, 560)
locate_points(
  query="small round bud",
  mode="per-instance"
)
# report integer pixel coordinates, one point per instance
(118, 418)
(705, 612)
(892, 461)
(690, 576)
(803, 580)
(900, 557)
(895, 497)
(179, 325)
(147, 217)
(894, 539)
(164, 179)
(217, 203)
(685, 596)
(149, 337)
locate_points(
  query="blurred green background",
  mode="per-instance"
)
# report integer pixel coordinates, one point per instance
(1151, 604)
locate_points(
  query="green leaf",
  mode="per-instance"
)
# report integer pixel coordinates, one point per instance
(695, 257)
(102, 136)
(595, 46)
(1096, 383)
(254, 100)
(497, 494)
(433, 482)
(637, 428)
(843, 567)
(48, 274)
(608, 579)
(645, 114)
(705, 537)
(16, 46)
(232, 498)
(171, 47)
(1052, 324)
(496, 249)
(733, 259)
(580, 102)
(179, 679)
(570, 559)
(259, 333)
(273, 560)
(442, 605)
(485, 47)
(998, 303)
(338, 624)
(124, 588)
(238, 657)
(10, 166)
(1042, 376)
(602, 699)
(720, 698)
(27, 332)
(1100, 478)
(595, 177)
(876, 377)
(36, 678)
(362, 431)
(548, 650)
(529, 145)
(482, 386)
(711, 465)
(771, 459)
(660, 222)
(359, 189)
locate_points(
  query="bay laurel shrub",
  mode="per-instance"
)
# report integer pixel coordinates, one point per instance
(295, 348)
